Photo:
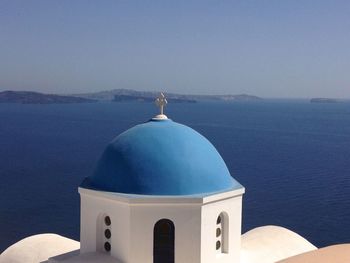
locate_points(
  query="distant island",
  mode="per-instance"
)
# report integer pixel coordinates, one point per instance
(120, 95)
(323, 100)
(116, 95)
(29, 97)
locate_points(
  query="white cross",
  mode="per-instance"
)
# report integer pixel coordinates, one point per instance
(161, 102)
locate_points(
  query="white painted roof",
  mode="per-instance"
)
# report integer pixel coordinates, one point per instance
(334, 254)
(38, 248)
(266, 244)
(75, 257)
(269, 244)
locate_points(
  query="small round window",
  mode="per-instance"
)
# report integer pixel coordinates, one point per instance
(108, 233)
(107, 246)
(107, 221)
(218, 232)
(218, 245)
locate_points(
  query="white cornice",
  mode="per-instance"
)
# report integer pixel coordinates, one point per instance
(154, 200)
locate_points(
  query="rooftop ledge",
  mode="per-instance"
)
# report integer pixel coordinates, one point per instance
(163, 199)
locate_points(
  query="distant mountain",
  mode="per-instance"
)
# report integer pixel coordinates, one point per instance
(29, 97)
(323, 100)
(133, 95)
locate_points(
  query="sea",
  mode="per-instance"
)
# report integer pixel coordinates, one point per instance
(292, 156)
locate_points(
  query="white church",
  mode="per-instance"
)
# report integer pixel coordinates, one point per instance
(161, 193)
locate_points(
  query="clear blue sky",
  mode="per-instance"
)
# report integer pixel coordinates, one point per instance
(275, 48)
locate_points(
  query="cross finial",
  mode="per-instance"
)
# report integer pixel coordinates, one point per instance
(161, 102)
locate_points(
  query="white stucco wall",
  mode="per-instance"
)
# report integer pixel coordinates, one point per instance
(187, 221)
(134, 217)
(210, 212)
(93, 207)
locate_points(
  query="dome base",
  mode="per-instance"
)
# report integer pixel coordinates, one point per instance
(160, 117)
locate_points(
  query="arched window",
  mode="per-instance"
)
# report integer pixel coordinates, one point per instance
(222, 228)
(164, 242)
(104, 233)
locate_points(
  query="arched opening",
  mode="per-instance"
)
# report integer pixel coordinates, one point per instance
(222, 231)
(164, 242)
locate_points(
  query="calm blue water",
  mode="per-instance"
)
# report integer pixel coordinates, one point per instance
(293, 157)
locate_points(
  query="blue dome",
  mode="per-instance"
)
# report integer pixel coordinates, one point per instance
(161, 157)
